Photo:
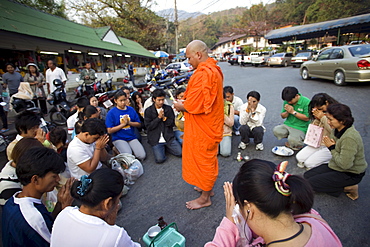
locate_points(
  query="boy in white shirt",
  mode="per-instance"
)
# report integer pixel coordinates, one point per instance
(237, 103)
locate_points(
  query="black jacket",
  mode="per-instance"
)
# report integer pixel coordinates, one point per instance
(155, 125)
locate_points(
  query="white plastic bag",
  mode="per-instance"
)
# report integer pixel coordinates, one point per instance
(134, 171)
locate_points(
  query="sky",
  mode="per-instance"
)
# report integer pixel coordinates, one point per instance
(205, 6)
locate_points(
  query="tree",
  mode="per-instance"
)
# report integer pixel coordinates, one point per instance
(131, 19)
(324, 10)
(48, 6)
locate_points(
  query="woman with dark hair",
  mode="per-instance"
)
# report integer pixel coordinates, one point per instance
(94, 102)
(138, 101)
(121, 122)
(310, 157)
(36, 81)
(348, 164)
(275, 206)
(9, 183)
(93, 223)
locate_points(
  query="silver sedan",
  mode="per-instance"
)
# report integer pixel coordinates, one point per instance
(341, 64)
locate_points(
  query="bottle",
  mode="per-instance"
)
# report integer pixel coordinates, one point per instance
(239, 157)
(161, 223)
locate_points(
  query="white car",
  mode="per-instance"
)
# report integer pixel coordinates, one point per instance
(179, 67)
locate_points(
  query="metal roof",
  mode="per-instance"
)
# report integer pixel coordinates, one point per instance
(354, 24)
(18, 18)
(223, 40)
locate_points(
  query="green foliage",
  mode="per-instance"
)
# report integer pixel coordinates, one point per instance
(48, 6)
(323, 10)
(128, 18)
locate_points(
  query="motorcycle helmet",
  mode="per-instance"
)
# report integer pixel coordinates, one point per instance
(58, 83)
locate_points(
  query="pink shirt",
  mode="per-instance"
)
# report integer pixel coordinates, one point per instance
(227, 234)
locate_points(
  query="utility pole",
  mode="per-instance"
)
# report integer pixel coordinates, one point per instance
(176, 31)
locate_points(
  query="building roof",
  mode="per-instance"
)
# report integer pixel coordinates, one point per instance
(354, 24)
(223, 40)
(22, 19)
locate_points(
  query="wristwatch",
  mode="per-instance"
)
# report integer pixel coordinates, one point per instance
(294, 113)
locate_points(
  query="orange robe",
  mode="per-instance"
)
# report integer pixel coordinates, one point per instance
(204, 121)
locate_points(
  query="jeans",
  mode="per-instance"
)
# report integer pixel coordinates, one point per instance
(159, 150)
(133, 146)
(236, 123)
(225, 146)
(179, 133)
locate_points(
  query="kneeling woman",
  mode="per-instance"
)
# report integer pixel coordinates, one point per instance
(121, 122)
(347, 165)
(275, 206)
(93, 223)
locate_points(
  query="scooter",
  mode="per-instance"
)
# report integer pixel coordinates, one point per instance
(60, 111)
(105, 99)
(20, 105)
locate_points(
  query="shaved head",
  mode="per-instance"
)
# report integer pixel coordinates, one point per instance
(196, 52)
(197, 46)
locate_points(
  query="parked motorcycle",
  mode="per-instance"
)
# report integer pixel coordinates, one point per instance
(109, 84)
(90, 89)
(60, 111)
(20, 105)
(106, 99)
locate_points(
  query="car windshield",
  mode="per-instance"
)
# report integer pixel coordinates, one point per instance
(304, 54)
(361, 50)
(187, 64)
(279, 55)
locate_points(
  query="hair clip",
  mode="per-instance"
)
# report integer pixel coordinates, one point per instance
(85, 182)
(279, 177)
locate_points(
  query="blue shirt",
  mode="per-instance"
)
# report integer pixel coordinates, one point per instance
(113, 120)
(13, 81)
(16, 229)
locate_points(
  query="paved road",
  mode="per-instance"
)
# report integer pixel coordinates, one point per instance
(162, 192)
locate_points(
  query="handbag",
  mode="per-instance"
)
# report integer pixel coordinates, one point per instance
(313, 136)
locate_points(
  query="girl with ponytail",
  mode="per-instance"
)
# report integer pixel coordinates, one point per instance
(93, 224)
(275, 209)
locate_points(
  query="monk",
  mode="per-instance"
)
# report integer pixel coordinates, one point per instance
(203, 109)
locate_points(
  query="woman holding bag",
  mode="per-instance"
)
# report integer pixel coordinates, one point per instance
(36, 81)
(310, 157)
(348, 164)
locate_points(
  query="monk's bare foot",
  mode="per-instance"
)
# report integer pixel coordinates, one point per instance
(200, 191)
(352, 191)
(198, 203)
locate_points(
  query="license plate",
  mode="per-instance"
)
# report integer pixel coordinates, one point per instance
(108, 104)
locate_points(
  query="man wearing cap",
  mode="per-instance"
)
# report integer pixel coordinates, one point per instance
(54, 73)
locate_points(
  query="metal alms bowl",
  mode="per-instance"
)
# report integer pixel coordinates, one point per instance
(153, 231)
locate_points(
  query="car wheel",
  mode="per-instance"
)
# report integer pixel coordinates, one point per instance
(286, 64)
(339, 78)
(304, 74)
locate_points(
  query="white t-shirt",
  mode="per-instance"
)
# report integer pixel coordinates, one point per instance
(8, 180)
(73, 228)
(161, 138)
(79, 152)
(57, 73)
(71, 121)
(237, 103)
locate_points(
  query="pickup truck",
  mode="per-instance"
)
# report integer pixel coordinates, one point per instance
(243, 60)
(262, 58)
